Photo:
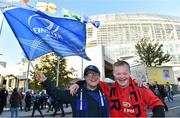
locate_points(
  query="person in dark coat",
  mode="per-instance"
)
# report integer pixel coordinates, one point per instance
(162, 96)
(150, 87)
(42, 99)
(3, 98)
(57, 106)
(28, 99)
(1, 103)
(36, 103)
(14, 102)
(21, 97)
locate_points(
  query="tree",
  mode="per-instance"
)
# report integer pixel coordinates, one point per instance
(48, 65)
(151, 53)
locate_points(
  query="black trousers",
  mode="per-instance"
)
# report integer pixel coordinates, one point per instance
(57, 107)
(36, 107)
(165, 106)
(1, 109)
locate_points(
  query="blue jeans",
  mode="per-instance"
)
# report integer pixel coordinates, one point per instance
(170, 96)
(14, 110)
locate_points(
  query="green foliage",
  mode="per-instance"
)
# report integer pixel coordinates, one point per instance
(48, 65)
(151, 53)
(35, 85)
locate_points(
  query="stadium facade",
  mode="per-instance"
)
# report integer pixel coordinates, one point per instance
(118, 33)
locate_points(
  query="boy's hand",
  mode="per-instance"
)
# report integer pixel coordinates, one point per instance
(40, 77)
(137, 81)
(73, 89)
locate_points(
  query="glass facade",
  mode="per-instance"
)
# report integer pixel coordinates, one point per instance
(120, 32)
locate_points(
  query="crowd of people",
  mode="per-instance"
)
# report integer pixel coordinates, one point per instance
(162, 91)
(92, 97)
(30, 101)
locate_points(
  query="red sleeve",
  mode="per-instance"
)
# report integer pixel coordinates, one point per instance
(149, 98)
(105, 88)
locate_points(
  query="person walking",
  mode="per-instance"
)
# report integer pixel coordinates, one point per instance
(42, 99)
(150, 87)
(57, 106)
(28, 100)
(156, 87)
(14, 102)
(162, 95)
(169, 92)
(21, 98)
(36, 103)
(3, 98)
(1, 102)
(50, 103)
(160, 92)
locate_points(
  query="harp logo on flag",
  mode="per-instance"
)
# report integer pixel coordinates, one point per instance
(45, 27)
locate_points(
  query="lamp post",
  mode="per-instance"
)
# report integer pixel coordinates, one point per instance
(27, 77)
(1, 54)
(57, 74)
(0, 75)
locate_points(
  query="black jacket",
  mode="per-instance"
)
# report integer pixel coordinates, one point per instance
(65, 96)
(14, 100)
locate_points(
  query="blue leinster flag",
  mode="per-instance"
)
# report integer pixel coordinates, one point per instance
(39, 34)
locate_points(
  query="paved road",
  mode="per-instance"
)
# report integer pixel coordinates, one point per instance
(174, 110)
(68, 112)
(174, 107)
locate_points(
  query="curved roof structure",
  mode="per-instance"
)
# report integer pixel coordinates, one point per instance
(136, 16)
(119, 33)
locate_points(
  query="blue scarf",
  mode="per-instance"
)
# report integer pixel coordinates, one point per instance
(82, 103)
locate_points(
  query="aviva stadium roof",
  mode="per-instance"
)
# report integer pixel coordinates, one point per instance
(136, 16)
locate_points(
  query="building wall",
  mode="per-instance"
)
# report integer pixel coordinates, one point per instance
(160, 74)
(96, 55)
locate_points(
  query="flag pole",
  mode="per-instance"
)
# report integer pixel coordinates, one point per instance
(57, 74)
(1, 25)
(82, 68)
(27, 76)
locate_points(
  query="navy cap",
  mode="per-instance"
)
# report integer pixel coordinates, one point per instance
(92, 68)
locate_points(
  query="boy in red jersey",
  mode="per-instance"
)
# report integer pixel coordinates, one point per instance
(126, 99)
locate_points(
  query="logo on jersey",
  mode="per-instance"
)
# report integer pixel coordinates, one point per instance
(126, 104)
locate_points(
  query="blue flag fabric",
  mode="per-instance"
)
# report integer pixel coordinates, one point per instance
(39, 34)
(86, 19)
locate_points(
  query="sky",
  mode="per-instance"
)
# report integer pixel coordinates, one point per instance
(12, 52)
